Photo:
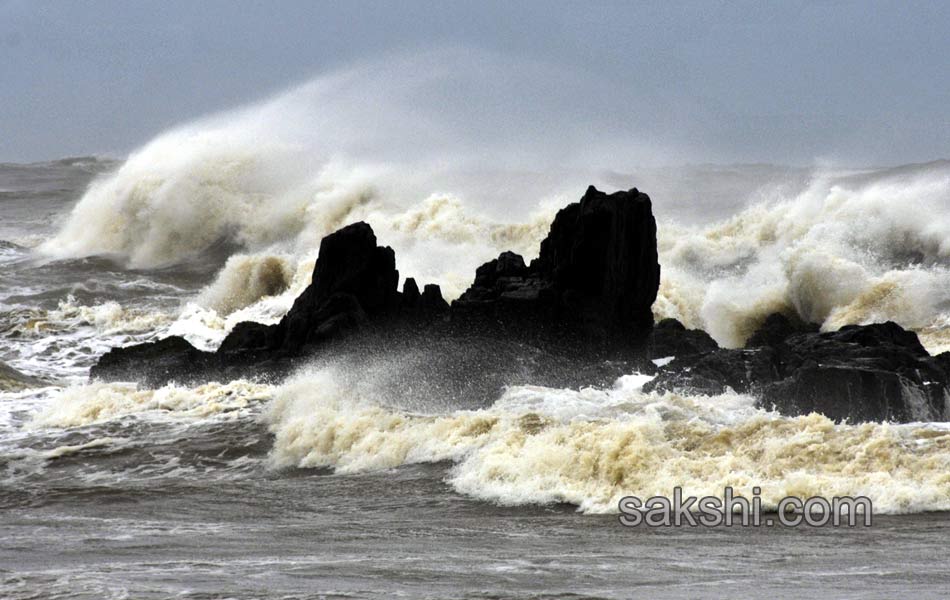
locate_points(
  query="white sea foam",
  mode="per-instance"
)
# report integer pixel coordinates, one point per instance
(538, 445)
(82, 405)
(60, 344)
(844, 251)
(592, 447)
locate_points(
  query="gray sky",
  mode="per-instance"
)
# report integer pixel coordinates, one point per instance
(790, 82)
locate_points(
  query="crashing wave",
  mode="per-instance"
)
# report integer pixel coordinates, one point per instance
(538, 445)
(838, 247)
(592, 447)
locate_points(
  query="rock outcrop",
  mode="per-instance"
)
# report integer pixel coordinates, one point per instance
(877, 372)
(579, 314)
(594, 282)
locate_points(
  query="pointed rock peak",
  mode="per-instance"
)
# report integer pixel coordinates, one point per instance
(432, 298)
(351, 262)
(510, 263)
(410, 290)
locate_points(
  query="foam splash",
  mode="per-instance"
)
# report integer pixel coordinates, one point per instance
(245, 280)
(936, 338)
(62, 343)
(537, 445)
(592, 447)
(83, 405)
(281, 174)
(108, 318)
(842, 252)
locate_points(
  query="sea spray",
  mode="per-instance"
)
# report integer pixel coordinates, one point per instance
(592, 447)
(271, 179)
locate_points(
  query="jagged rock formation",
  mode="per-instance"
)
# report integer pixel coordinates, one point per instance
(595, 280)
(877, 372)
(579, 314)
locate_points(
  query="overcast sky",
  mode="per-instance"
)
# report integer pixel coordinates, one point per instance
(791, 82)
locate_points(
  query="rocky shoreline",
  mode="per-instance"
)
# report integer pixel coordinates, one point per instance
(580, 314)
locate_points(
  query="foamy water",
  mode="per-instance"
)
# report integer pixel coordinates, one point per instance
(592, 447)
(534, 445)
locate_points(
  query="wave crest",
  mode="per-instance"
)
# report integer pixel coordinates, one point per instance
(245, 280)
(590, 447)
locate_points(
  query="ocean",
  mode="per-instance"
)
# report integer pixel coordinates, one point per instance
(329, 484)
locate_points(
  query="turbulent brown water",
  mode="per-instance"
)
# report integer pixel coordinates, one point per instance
(328, 484)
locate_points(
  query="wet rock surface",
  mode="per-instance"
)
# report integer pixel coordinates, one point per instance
(877, 372)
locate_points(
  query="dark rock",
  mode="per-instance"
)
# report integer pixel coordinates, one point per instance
(337, 315)
(886, 335)
(432, 300)
(351, 263)
(577, 315)
(595, 279)
(353, 279)
(776, 329)
(671, 338)
(410, 293)
(849, 393)
(716, 372)
(603, 249)
(249, 335)
(169, 359)
(877, 372)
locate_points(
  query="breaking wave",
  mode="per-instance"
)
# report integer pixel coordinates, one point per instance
(84, 405)
(842, 251)
(845, 250)
(592, 447)
(538, 445)
(245, 280)
(841, 246)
